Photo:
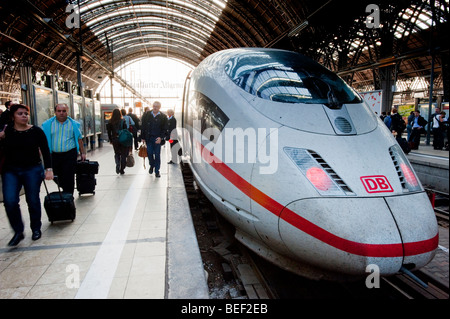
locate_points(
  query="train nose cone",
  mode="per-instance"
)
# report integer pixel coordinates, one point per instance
(418, 227)
(345, 235)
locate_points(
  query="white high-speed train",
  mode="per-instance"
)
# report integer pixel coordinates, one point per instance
(309, 176)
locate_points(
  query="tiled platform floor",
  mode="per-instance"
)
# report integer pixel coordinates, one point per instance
(115, 248)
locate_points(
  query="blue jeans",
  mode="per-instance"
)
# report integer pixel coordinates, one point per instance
(154, 154)
(30, 178)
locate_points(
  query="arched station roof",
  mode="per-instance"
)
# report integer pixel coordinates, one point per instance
(43, 34)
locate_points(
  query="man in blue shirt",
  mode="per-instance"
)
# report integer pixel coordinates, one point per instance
(418, 126)
(65, 141)
(154, 130)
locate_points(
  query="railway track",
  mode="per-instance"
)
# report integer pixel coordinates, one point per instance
(240, 274)
(408, 288)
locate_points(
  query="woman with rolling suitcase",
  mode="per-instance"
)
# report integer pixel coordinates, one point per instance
(23, 143)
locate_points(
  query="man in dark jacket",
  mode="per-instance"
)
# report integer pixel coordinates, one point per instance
(418, 126)
(154, 130)
(397, 123)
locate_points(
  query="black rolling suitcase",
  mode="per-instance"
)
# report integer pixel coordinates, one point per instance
(86, 184)
(59, 205)
(404, 145)
(85, 176)
(87, 167)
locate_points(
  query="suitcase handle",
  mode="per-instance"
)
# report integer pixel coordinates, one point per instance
(55, 178)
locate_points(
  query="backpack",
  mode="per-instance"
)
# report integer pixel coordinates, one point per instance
(401, 125)
(125, 137)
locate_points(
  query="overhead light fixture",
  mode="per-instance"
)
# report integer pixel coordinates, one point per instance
(294, 32)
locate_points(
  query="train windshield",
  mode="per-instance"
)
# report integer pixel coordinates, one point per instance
(289, 77)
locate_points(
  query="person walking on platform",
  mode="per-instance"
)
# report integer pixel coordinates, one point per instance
(418, 127)
(130, 124)
(65, 141)
(24, 144)
(438, 129)
(398, 125)
(410, 124)
(115, 124)
(154, 131)
(172, 136)
(137, 127)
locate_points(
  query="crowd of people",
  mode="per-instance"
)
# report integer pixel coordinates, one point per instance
(29, 154)
(415, 127)
(153, 130)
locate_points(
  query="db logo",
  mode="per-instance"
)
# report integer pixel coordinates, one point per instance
(376, 184)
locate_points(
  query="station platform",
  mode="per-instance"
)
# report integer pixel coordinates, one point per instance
(431, 166)
(133, 239)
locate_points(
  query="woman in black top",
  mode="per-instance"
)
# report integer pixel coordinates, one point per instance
(23, 145)
(113, 127)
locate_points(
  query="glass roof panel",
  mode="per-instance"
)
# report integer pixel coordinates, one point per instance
(189, 22)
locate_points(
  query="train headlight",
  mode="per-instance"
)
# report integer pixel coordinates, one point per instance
(319, 178)
(318, 173)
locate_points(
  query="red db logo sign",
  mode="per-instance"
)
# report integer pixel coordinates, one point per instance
(376, 184)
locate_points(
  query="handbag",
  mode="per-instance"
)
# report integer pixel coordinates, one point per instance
(143, 152)
(130, 161)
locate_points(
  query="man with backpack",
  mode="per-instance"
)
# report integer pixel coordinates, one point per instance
(397, 123)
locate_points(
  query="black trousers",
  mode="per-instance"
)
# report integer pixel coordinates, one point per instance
(438, 138)
(135, 139)
(64, 164)
(415, 137)
(120, 155)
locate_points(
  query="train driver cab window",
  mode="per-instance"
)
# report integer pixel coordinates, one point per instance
(207, 112)
(289, 77)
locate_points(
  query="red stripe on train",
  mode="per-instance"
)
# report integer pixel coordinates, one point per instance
(368, 250)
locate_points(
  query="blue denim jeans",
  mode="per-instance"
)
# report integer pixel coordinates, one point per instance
(154, 154)
(30, 178)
